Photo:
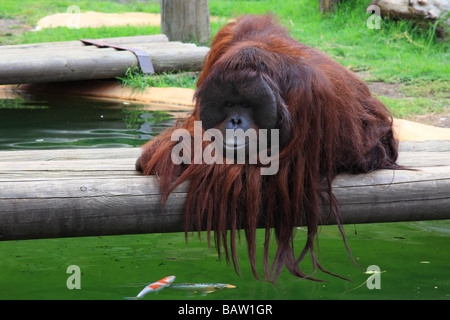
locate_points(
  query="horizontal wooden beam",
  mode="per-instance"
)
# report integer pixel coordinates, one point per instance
(93, 192)
(73, 60)
(78, 44)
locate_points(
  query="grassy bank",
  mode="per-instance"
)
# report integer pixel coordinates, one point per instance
(399, 52)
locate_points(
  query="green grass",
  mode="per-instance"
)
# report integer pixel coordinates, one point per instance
(66, 34)
(136, 79)
(421, 97)
(407, 107)
(31, 10)
(399, 52)
(419, 88)
(345, 36)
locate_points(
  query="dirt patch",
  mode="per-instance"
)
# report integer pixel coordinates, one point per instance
(439, 120)
(393, 90)
(12, 27)
(99, 19)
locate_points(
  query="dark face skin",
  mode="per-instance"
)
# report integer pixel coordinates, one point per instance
(233, 106)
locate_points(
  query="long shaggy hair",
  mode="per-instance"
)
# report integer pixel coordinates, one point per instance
(330, 124)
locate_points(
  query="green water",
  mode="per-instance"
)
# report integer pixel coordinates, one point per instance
(51, 122)
(413, 257)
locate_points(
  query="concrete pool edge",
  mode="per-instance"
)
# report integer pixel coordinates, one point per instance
(179, 98)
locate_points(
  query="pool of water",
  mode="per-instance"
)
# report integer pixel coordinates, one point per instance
(413, 257)
(50, 122)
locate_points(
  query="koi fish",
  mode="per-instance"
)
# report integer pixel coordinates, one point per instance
(154, 287)
(204, 288)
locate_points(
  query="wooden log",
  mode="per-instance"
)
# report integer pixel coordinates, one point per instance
(44, 50)
(429, 10)
(430, 146)
(93, 63)
(45, 54)
(93, 192)
(79, 44)
(420, 11)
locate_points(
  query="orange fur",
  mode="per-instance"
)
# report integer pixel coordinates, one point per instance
(332, 124)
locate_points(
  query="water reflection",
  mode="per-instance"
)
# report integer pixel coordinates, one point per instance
(50, 122)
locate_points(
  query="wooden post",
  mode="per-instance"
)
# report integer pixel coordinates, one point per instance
(327, 5)
(186, 20)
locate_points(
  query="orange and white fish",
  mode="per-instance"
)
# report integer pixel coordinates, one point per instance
(154, 287)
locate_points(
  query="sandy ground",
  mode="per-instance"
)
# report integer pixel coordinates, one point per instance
(99, 19)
